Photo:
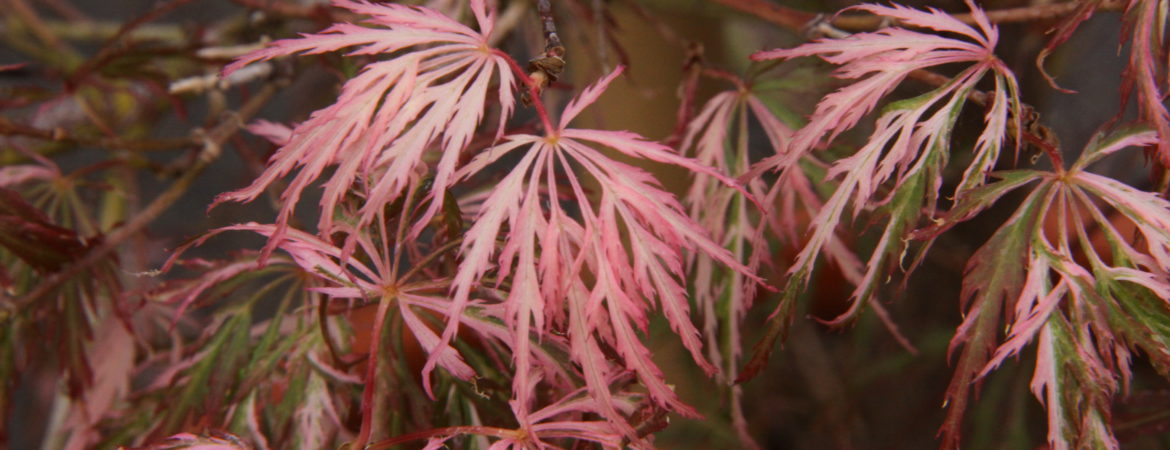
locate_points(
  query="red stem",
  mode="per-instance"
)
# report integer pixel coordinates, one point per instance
(1052, 152)
(726, 76)
(372, 375)
(533, 89)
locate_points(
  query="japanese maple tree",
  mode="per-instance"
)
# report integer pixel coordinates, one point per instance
(460, 246)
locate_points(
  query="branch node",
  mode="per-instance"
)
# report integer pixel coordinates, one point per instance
(821, 26)
(545, 69)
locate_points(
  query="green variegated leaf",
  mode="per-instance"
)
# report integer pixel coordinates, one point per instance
(978, 200)
(1105, 143)
(994, 277)
(206, 385)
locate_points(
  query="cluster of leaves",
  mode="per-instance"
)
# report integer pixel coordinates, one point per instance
(475, 279)
(1092, 293)
(546, 272)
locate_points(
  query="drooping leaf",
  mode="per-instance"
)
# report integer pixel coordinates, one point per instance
(1070, 278)
(993, 278)
(910, 143)
(1146, 71)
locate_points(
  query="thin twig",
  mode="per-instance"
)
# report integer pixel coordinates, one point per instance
(10, 128)
(545, 69)
(37, 26)
(97, 31)
(552, 44)
(113, 46)
(792, 19)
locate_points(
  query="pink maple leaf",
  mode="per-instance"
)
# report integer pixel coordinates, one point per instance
(349, 278)
(215, 441)
(561, 419)
(721, 215)
(718, 137)
(628, 241)
(881, 60)
(910, 130)
(910, 144)
(388, 116)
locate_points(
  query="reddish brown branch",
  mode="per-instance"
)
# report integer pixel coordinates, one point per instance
(285, 9)
(792, 19)
(798, 21)
(545, 70)
(801, 21)
(10, 128)
(553, 43)
(1041, 12)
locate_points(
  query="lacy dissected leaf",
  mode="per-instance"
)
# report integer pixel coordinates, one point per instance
(349, 277)
(433, 91)
(41, 238)
(239, 364)
(718, 137)
(1062, 270)
(315, 419)
(1146, 22)
(994, 277)
(879, 61)
(64, 323)
(562, 420)
(204, 386)
(1061, 33)
(31, 235)
(185, 292)
(911, 141)
(189, 441)
(52, 207)
(605, 258)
